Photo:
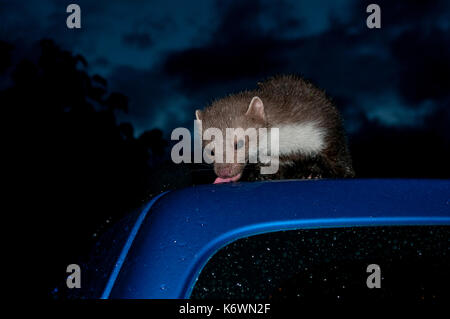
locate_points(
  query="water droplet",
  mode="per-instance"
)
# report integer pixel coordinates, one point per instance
(163, 287)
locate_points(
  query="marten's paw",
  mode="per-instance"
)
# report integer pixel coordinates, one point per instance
(314, 176)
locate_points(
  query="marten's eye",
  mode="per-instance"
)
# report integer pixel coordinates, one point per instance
(239, 144)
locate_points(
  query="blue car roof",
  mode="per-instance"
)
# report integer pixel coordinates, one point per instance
(178, 231)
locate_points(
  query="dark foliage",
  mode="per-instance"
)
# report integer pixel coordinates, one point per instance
(88, 170)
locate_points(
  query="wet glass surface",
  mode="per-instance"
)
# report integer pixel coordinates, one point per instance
(330, 265)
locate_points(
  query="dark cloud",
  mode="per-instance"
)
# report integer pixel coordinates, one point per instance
(5, 55)
(153, 99)
(240, 48)
(423, 56)
(385, 74)
(401, 13)
(101, 61)
(138, 40)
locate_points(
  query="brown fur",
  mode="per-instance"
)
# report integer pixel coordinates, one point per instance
(287, 100)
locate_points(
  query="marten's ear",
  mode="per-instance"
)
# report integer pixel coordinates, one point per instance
(198, 115)
(256, 109)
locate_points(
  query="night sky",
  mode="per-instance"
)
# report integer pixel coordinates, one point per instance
(171, 57)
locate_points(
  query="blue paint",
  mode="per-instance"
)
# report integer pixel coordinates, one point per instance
(183, 229)
(126, 248)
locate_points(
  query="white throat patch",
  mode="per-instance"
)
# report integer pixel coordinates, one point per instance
(305, 138)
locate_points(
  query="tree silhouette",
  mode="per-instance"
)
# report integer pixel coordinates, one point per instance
(91, 169)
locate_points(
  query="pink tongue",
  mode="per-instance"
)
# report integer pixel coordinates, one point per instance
(220, 180)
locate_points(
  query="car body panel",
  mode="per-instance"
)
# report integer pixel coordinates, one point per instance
(178, 232)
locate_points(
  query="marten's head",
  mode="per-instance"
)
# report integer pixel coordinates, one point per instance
(238, 113)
